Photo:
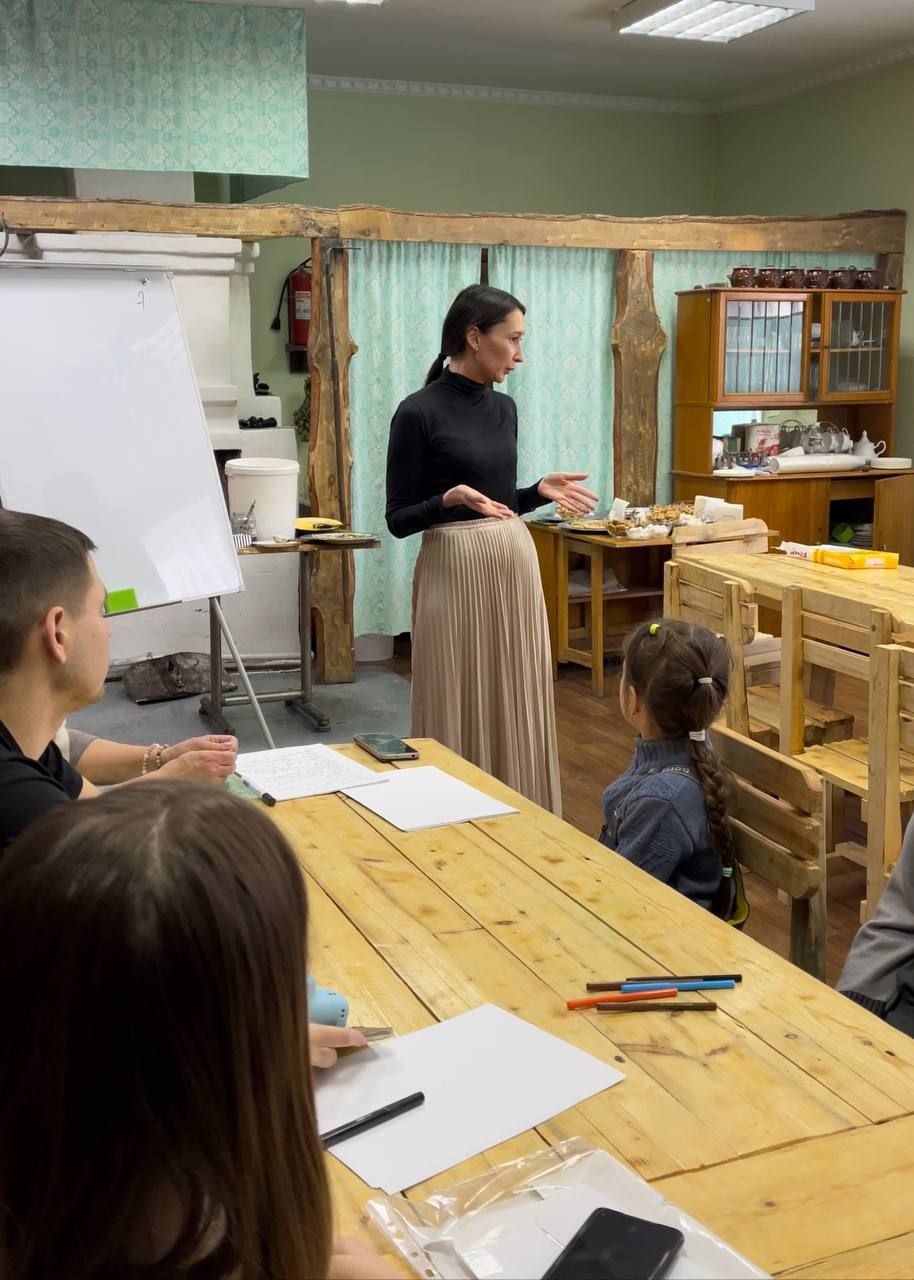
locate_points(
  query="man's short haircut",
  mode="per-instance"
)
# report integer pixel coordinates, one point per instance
(43, 563)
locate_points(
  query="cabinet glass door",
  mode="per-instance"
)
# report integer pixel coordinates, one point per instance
(859, 340)
(763, 346)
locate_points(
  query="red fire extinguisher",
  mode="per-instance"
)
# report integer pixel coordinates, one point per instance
(298, 286)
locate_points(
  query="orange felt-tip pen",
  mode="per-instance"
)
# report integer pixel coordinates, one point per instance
(622, 997)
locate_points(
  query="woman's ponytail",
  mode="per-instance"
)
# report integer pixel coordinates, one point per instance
(437, 369)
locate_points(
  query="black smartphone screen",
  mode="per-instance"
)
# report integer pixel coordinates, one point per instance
(385, 743)
(614, 1246)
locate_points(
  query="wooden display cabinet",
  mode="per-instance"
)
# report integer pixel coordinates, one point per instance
(834, 351)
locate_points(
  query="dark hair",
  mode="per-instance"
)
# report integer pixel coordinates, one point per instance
(681, 672)
(478, 306)
(153, 996)
(43, 563)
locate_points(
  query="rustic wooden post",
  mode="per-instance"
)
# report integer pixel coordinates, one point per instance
(330, 457)
(638, 344)
(891, 270)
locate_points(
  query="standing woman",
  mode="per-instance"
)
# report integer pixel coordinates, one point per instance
(482, 669)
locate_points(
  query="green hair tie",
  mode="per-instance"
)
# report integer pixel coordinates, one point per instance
(655, 627)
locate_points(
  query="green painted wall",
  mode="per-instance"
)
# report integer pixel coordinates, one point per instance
(17, 180)
(834, 150)
(441, 155)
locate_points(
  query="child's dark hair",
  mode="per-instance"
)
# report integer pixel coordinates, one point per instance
(681, 672)
(478, 306)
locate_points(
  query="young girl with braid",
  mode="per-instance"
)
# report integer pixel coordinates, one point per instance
(667, 812)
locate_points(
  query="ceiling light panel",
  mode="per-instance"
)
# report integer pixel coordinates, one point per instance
(713, 21)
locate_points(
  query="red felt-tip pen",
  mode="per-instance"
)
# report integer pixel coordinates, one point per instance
(626, 997)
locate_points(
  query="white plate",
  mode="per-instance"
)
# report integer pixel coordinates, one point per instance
(890, 464)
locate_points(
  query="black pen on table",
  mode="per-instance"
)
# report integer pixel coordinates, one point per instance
(372, 1119)
(261, 795)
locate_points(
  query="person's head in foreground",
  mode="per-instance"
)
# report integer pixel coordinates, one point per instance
(675, 677)
(53, 630)
(156, 1115)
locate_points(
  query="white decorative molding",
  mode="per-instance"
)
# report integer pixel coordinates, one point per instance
(600, 102)
(789, 89)
(508, 97)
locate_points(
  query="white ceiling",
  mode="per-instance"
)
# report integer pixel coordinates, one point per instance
(567, 46)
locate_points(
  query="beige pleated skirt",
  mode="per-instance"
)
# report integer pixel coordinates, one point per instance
(481, 661)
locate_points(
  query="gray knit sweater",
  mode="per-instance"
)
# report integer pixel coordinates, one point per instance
(886, 943)
(655, 817)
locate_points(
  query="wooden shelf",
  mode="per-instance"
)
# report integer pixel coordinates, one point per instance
(627, 593)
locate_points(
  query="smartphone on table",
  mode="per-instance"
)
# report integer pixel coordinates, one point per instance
(384, 746)
(615, 1246)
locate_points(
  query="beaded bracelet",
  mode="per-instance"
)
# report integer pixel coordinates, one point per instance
(158, 748)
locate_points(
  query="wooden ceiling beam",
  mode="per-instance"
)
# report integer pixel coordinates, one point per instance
(25, 214)
(880, 231)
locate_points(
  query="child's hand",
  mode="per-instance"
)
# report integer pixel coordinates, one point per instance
(352, 1260)
(325, 1041)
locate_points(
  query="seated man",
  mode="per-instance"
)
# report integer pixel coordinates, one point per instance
(53, 660)
(879, 970)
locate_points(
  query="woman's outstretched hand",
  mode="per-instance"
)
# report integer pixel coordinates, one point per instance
(562, 487)
(463, 496)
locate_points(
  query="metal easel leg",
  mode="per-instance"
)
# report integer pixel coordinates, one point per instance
(302, 702)
(211, 706)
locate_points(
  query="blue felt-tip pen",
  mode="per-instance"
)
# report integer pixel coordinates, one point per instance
(719, 984)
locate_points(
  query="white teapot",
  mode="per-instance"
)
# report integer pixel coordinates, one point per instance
(864, 448)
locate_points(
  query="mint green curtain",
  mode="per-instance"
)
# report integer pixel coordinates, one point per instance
(564, 389)
(676, 272)
(398, 297)
(153, 84)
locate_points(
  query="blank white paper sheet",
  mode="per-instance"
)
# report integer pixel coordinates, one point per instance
(291, 773)
(487, 1076)
(427, 797)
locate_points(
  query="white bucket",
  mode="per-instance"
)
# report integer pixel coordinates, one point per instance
(271, 483)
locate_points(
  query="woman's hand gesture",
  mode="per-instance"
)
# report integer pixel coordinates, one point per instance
(562, 487)
(463, 496)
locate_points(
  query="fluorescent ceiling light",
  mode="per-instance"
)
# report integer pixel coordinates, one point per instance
(357, 1)
(716, 21)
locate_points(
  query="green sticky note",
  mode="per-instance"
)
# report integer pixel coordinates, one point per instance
(121, 601)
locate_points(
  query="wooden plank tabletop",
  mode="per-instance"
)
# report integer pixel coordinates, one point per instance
(890, 589)
(309, 546)
(767, 477)
(789, 1093)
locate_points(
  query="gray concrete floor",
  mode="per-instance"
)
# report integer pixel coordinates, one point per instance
(378, 701)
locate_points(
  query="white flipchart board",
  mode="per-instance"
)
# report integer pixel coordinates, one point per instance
(101, 425)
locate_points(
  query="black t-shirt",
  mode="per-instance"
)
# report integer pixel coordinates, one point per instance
(29, 788)
(454, 431)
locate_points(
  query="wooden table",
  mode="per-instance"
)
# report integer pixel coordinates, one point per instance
(785, 1121)
(301, 698)
(768, 575)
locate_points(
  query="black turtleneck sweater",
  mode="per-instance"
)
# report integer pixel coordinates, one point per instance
(454, 431)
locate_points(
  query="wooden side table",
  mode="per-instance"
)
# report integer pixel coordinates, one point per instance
(610, 614)
(584, 628)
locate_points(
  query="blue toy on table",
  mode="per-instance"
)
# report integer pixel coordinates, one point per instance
(327, 1007)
